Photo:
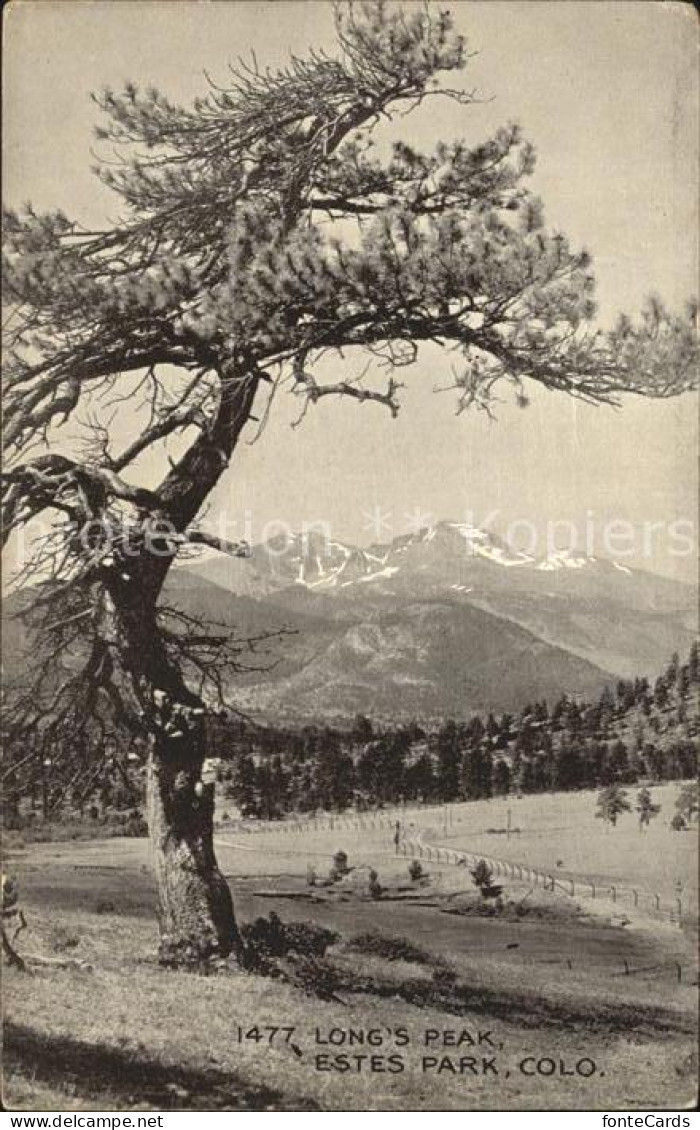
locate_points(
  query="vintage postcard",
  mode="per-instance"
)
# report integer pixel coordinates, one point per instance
(350, 648)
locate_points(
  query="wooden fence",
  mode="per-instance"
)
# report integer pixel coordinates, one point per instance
(650, 903)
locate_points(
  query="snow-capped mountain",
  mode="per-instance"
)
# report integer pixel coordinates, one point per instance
(447, 619)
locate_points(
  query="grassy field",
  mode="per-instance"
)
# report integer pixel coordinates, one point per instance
(108, 1029)
(560, 833)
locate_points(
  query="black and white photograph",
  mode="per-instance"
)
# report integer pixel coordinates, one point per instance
(350, 651)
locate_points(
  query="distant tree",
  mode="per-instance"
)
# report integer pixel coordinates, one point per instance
(474, 730)
(559, 712)
(492, 727)
(687, 805)
(527, 776)
(501, 777)
(334, 776)
(374, 887)
(381, 767)
(569, 764)
(244, 786)
(339, 866)
(694, 663)
(682, 682)
(482, 877)
(619, 759)
(646, 808)
(477, 773)
(541, 711)
(660, 692)
(612, 802)
(362, 730)
(415, 871)
(449, 761)
(419, 778)
(654, 760)
(505, 730)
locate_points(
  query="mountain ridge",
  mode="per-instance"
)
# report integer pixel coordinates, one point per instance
(588, 620)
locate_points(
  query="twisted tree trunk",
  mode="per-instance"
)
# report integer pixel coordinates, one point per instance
(195, 907)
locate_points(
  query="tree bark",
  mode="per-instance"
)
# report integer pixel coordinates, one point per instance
(195, 907)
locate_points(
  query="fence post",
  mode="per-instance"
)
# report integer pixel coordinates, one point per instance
(657, 900)
(592, 890)
(636, 897)
(573, 888)
(614, 893)
(679, 904)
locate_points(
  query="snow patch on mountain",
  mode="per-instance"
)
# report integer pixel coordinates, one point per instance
(563, 559)
(388, 571)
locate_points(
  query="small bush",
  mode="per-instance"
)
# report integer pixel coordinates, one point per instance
(678, 823)
(482, 877)
(310, 876)
(415, 871)
(340, 866)
(375, 888)
(271, 937)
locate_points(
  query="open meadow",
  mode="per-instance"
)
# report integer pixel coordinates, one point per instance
(559, 832)
(555, 995)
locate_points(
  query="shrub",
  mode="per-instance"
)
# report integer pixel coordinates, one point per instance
(678, 823)
(271, 937)
(415, 871)
(375, 889)
(310, 876)
(340, 866)
(482, 877)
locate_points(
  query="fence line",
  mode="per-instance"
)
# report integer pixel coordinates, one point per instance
(644, 901)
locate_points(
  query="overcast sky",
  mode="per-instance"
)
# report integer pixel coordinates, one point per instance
(606, 91)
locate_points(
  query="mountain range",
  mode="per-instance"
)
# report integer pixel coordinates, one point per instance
(442, 622)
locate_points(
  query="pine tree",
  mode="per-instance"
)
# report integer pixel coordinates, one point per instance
(612, 802)
(687, 803)
(482, 877)
(646, 808)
